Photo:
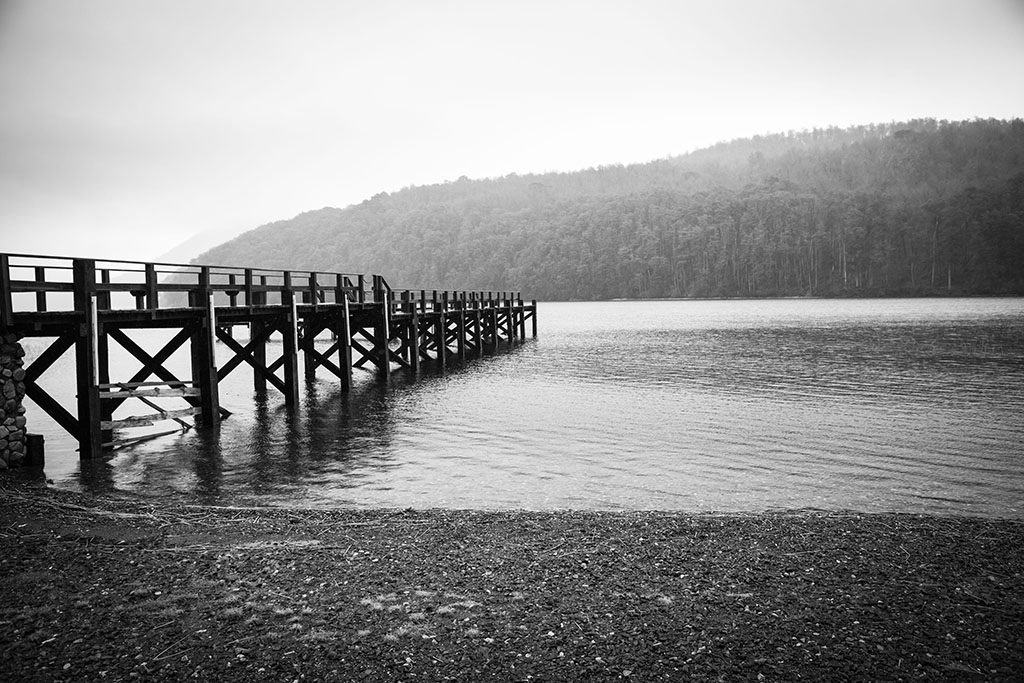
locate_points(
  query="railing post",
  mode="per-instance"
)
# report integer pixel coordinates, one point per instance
(87, 361)
(233, 291)
(248, 288)
(103, 296)
(40, 296)
(361, 294)
(339, 289)
(314, 291)
(152, 295)
(6, 300)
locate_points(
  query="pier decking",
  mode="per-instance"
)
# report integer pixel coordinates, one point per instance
(86, 304)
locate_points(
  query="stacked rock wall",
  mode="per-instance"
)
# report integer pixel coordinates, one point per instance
(12, 393)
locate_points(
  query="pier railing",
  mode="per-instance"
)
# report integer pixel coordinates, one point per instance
(40, 284)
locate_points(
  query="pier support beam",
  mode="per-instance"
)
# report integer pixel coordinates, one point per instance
(257, 330)
(382, 330)
(344, 342)
(204, 365)
(290, 348)
(87, 362)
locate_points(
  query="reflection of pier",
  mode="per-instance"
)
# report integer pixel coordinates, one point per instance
(85, 304)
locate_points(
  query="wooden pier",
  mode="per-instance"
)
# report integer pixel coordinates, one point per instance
(85, 304)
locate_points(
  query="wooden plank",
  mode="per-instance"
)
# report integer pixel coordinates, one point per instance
(138, 385)
(33, 286)
(151, 418)
(161, 409)
(168, 392)
(121, 443)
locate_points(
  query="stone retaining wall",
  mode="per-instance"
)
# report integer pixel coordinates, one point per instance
(12, 392)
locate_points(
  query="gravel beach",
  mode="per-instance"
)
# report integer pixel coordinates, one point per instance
(123, 589)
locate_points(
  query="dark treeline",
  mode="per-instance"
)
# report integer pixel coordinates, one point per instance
(916, 208)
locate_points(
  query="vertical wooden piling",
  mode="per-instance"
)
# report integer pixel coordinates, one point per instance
(414, 336)
(460, 325)
(103, 366)
(510, 328)
(257, 328)
(307, 343)
(492, 320)
(290, 342)
(90, 412)
(478, 329)
(204, 360)
(382, 331)
(441, 329)
(345, 347)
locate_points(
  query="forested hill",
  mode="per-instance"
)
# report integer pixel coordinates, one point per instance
(915, 208)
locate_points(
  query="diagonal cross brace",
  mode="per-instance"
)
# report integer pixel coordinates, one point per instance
(151, 365)
(244, 354)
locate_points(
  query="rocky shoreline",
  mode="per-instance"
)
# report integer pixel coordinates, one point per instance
(125, 589)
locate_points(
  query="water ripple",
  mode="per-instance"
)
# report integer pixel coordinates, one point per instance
(910, 405)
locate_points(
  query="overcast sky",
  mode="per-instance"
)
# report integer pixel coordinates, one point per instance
(127, 126)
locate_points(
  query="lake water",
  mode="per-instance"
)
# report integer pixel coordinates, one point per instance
(872, 405)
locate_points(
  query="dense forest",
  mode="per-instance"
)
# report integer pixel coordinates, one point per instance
(923, 207)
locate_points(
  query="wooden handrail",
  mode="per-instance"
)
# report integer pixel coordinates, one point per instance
(40, 275)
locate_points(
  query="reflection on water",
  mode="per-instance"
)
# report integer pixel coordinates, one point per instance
(913, 405)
